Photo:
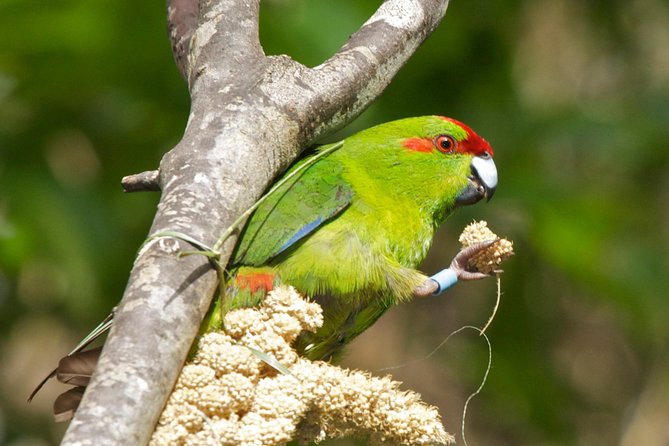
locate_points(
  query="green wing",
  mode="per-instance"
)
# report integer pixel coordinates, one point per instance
(292, 212)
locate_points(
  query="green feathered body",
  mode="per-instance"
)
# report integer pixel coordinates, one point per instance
(351, 229)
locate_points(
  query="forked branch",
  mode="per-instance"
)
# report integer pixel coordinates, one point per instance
(251, 115)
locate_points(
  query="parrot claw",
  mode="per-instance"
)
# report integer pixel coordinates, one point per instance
(458, 270)
(471, 275)
(461, 260)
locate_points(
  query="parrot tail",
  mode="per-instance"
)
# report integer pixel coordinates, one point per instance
(75, 369)
(246, 289)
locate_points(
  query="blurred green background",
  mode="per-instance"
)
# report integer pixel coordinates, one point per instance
(574, 97)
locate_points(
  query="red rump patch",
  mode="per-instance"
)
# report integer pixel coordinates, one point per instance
(419, 144)
(255, 282)
(474, 144)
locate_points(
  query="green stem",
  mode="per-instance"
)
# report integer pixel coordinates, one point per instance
(181, 236)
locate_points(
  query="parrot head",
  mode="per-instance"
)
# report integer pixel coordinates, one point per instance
(437, 162)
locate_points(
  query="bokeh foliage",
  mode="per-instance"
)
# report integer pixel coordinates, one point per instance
(574, 97)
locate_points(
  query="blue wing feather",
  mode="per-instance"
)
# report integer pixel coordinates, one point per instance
(294, 212)
(304, 230)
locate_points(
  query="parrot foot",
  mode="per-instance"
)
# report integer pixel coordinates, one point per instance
(459, 270)
(460, 263)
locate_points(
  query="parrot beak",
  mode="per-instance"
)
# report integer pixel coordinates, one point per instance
(482, 181)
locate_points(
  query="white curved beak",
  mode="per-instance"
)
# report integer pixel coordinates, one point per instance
(485, 171)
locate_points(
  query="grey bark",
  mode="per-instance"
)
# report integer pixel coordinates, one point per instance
(250, 117)
(145, 181)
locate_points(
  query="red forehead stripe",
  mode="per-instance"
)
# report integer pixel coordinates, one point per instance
(474, 144)
(419, 144)
(464, 126)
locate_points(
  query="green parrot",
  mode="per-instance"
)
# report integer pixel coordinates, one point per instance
(350, 229)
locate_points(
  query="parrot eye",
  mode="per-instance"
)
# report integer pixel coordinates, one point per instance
(445, 143)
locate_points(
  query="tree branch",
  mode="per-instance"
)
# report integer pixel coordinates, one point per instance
(182, 16)
(330, 95)
(145, 181)
(250, 117)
